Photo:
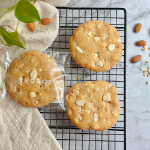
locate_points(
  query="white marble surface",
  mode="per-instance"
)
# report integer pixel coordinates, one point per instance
(138, 99)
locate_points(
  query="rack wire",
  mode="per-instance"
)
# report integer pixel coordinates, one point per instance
(69, 136)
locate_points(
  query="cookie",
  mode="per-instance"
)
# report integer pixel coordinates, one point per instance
(34, 79)
(93, 106)
(96, 45)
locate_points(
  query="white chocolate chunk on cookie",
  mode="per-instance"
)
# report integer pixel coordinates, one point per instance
(106, 97)
(47, 83)
(119, 40)
(95, 39)
(19, 81)
(89, 33)
(79, 50)
(32, 94)
(111, 47)
(99, 25)
(80, 103)
(99, 63)
(33, 74)
(95, 117)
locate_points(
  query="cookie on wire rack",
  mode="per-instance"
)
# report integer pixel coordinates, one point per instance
(96, 45)
(34, 79)
(93, 106)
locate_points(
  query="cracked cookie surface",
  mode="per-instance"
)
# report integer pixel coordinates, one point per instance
(93, 106)
(96, 45)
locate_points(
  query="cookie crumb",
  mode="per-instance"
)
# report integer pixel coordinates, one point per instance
(127, 74)
(144, 74)
(147, 61)
(23, 31)
(147, 82)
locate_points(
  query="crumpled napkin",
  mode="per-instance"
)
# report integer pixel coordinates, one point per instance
(43, 36)
(23, 128)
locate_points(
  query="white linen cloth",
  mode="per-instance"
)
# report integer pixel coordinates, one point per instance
(23, 128)
(43, 36)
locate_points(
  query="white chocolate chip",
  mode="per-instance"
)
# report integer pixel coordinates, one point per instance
(77, 92)
(19, 81)
(40, 70)
(36, 102)
(82, 28)
(99, 25)
(80, 103)
(96, 55)
(106, 97)
(119, 40)
(95, 117)
(33, 74)
(27, 71)
(95, 39)
(79, 50)
(80, 118)
(32, 94)
(47, 83)
(111, 47)
(99, 63)
(90, 33)
(82, 110)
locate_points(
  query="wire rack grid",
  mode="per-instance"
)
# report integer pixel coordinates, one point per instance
(69, 136)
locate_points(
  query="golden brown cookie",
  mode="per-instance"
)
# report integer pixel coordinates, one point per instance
(96, 45)
(34, 79)
(93, 106)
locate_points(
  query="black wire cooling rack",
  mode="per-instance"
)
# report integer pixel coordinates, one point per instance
(69, 136)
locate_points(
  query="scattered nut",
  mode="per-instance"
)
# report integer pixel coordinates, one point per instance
(144, 71)
(80, 103)
(141, 43)
(144, 48)
(111, 47)
(149, 55)
(148, 75)
(136, 59)
(141, 69)
(31, 26)
(147, 82)
(127, 74)
(106, 97)
(138, 28)
(79, 50)
(99, 63)
(95, 39)
(148, 71)
(149, 48)
(147, 61)
(148, 67)
(46, 21)
(32, 94)
(144, 74)
(95, 117)
(19, 81)
(23, 31)
(33, 74)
